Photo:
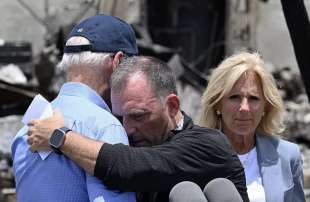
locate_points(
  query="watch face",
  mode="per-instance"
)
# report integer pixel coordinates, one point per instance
(57, 138)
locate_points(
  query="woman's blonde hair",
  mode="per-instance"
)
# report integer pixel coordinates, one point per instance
(222, 81)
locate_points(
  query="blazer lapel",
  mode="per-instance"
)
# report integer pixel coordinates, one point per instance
(270, 168)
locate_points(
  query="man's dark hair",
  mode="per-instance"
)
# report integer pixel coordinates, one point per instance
(158, 73)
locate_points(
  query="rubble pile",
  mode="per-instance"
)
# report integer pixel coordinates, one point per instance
(7, 183)
(297, 106)
(9, 125)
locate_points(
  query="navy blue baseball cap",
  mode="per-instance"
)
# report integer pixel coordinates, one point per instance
(106, 34)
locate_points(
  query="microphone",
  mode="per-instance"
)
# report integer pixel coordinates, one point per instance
(186, 191)
(221, 190)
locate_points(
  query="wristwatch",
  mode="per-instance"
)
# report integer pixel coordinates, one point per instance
(58, 138)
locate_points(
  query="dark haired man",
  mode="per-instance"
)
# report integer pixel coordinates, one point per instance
(167, 147)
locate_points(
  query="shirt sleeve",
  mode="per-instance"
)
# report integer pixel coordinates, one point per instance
(97, 191)
(112, 134)
(197, 156)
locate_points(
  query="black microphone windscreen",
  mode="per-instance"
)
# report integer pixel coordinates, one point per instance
(186, 191)
(221, 190)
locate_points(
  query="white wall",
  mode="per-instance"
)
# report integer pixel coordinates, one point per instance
(17, 24)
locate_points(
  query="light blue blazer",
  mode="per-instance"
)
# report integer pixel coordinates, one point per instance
(281, 169)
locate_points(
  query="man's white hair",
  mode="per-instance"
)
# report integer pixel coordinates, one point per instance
(82, 58)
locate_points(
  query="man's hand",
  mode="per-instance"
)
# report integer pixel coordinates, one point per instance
(40, 131)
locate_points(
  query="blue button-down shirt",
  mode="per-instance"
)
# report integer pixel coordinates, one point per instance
(57, 178)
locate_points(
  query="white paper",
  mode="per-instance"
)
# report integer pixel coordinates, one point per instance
(39, 108)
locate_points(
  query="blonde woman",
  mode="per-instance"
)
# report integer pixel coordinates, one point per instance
(242, 101)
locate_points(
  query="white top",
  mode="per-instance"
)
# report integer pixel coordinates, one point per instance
(180, 124)
(254, 183)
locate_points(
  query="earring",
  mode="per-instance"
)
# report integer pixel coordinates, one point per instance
(219, 121)
(263, 114)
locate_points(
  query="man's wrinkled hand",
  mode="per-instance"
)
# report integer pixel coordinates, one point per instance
(40, 131)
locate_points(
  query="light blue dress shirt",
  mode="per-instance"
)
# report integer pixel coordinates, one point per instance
(57, 178)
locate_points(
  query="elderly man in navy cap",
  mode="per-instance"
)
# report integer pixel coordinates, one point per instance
(93, 50)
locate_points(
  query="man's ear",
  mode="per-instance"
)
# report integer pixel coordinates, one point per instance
(173, 103)
(117, 59)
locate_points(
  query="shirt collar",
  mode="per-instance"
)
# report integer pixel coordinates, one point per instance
(180, 124)
(84, 91)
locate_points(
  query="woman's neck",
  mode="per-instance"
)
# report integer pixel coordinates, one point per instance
(242, 144)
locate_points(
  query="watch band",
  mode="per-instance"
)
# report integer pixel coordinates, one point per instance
(65, 129)
(57, 151)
